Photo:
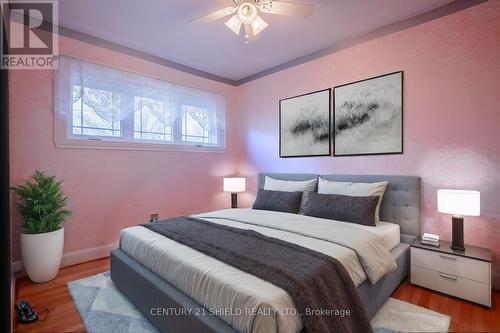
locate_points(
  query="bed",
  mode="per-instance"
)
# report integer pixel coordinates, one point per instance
(155, 272)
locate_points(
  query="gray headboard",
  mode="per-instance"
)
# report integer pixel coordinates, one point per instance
(401, 203)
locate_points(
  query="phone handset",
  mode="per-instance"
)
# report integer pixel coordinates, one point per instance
(25, 313)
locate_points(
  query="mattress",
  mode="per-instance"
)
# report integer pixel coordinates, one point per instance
(240, 299)
(389, 233)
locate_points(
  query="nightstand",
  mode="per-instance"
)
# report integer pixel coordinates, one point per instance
(465, 275)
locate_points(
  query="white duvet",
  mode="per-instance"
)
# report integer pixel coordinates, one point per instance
(243, 300)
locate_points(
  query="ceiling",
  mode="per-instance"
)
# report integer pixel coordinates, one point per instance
(161, 28)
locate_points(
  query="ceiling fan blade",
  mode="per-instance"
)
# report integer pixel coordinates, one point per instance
(214, 15)
(287, 8)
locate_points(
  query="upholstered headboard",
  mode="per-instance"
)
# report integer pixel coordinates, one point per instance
(401, 202)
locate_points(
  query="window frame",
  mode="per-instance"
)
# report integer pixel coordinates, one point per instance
(64, 137)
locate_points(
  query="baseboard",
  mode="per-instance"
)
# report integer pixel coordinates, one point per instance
(17, 268)
(77, 257)
(72, 258)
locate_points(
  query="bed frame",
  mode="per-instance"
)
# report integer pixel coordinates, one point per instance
(146, 290)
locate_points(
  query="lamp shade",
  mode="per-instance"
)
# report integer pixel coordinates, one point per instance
(258, 25)
(459, 202)
(234, 23)
(234, 185)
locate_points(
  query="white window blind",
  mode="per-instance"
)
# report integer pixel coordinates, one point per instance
(102, 107)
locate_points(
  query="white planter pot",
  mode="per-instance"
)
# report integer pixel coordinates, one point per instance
(42, 254)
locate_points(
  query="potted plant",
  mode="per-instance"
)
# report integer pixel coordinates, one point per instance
(42, 207)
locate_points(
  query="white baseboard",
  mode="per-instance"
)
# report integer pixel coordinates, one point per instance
(18, 269)
(72, 258)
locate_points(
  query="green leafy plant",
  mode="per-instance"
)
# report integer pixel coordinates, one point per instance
(42, 204)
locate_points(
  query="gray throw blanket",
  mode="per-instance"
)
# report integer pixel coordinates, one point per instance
(318, 284)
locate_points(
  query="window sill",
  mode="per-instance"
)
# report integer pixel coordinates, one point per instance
(111, 145)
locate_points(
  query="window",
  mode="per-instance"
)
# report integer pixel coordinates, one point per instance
(152, 120)
(86, 121)
(195, 124)
(101, 107)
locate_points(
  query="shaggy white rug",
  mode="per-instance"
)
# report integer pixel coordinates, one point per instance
(400, 316)
(104, 309)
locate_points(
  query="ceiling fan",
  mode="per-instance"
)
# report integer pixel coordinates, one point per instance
(245, 13)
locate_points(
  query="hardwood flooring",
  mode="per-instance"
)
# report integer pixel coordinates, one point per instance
(54, 295)
(465, 316)
(63, 316)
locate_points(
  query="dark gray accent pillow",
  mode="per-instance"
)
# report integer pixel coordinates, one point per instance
(360, 210)
(278, 201)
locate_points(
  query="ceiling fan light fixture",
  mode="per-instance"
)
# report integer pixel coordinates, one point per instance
(258, 25)
(247, 13)
(234, 24)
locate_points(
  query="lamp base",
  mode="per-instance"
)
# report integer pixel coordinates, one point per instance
(457, 238)
(234, 200)
(457, 249)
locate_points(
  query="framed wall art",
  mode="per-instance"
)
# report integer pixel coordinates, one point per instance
(368, 116)
(305, 125)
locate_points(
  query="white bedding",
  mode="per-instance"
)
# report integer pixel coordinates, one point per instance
(219, 286)
(388, 233)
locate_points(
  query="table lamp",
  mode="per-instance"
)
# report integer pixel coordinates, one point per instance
(234, 185)
(460, 203)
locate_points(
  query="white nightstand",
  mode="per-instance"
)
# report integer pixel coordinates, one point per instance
(464, 274)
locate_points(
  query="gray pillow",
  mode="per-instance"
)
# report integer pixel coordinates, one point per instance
(355, 209)
(354, 189)
(278, 201)
(304, 186)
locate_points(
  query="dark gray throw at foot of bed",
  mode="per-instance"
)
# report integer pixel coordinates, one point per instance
(315, 281)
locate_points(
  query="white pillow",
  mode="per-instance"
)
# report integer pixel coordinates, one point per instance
(306, 186)
(354, 190)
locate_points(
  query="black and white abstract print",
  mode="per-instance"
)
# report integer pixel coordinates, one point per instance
(305, 125)
(368, 116)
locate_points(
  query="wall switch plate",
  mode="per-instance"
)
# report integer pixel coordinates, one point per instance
(154, 218)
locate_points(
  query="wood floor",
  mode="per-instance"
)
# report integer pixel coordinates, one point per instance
(465, 316)
(54, 295)
(63, 317)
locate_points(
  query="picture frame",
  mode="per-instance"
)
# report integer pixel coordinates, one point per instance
(305, 125)
(368, 116)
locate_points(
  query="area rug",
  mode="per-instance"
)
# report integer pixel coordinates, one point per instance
(401, 316)
(104, 309)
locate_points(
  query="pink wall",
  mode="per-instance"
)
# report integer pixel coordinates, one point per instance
(451, 114)
(451, 125)
(111, 189)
